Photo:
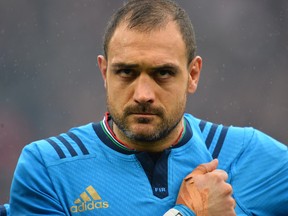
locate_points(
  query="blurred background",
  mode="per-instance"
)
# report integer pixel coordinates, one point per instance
(50, 82)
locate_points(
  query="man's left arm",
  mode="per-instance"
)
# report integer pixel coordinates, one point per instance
(259, 176)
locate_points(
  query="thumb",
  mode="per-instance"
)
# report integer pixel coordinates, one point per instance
(203, 169)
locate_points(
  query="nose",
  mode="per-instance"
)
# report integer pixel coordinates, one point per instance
(144, 90)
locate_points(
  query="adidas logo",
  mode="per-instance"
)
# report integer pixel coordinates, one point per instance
(89, 200)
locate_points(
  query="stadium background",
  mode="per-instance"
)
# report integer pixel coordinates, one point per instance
(49, 80)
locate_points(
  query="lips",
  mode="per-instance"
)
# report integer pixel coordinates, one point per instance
(143, 114)
(143, 118)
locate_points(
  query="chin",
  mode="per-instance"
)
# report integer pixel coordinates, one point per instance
(144, 134)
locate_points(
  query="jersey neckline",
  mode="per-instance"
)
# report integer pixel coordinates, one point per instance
(105, 133)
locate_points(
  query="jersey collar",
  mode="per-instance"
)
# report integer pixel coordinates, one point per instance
(104, 131)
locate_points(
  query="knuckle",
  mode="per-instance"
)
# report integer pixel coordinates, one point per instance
(231, 202)
(217, 176)
(230, 206)
(227, 189)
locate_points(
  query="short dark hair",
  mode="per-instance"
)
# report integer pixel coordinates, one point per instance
(146, 15)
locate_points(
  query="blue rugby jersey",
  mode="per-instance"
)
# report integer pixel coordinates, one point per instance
(86, 171)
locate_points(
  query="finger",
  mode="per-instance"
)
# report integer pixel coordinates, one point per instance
(206, 167)
(234, 203)
(223, 175)
(203, 169)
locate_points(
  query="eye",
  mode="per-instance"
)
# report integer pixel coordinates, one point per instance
(125, 73)
(164, 73)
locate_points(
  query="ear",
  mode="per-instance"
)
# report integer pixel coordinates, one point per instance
(102, 64)
(194, 74)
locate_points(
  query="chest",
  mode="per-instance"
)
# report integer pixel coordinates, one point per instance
(103, 186)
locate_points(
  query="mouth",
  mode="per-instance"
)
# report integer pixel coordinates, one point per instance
(143, 118)
(143, 114)
(143, 111)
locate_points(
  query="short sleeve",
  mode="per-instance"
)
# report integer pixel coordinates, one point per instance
(32, 192)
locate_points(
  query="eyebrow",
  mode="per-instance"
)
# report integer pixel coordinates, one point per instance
(124, 65)
(135, 66)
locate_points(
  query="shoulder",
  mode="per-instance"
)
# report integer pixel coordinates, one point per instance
(74, 144)
(223, 142)
(260, 172)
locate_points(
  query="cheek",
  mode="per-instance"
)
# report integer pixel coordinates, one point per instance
(175, 99)
(118, 96)
(179, 91)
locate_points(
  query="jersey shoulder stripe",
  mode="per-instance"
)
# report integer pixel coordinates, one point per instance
(220, 142)
(78, 142)
(66, 147)
(228, 142)
(211, 135)
(70, 145)
(56, 147)
(214, 136)
(223, 142)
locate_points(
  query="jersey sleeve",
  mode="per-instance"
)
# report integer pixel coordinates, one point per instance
(32, 191)
(260, 175)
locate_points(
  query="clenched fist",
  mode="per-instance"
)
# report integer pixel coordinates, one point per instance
(206, 192)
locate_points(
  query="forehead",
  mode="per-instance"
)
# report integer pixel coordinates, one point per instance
(158, 45)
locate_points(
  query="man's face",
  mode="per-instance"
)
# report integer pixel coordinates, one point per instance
(147, 78)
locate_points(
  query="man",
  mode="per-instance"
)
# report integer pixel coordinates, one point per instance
(147, 157)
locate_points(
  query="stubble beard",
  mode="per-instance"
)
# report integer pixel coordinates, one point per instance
(160, 131)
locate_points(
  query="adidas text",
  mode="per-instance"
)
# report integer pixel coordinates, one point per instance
(88, 206)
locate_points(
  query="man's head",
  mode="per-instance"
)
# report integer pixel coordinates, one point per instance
(148, 15)
(147, 75)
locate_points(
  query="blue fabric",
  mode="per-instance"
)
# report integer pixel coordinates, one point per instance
(5, 210)
(78, 172)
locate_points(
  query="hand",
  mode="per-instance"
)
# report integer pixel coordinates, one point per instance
(206, 192)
